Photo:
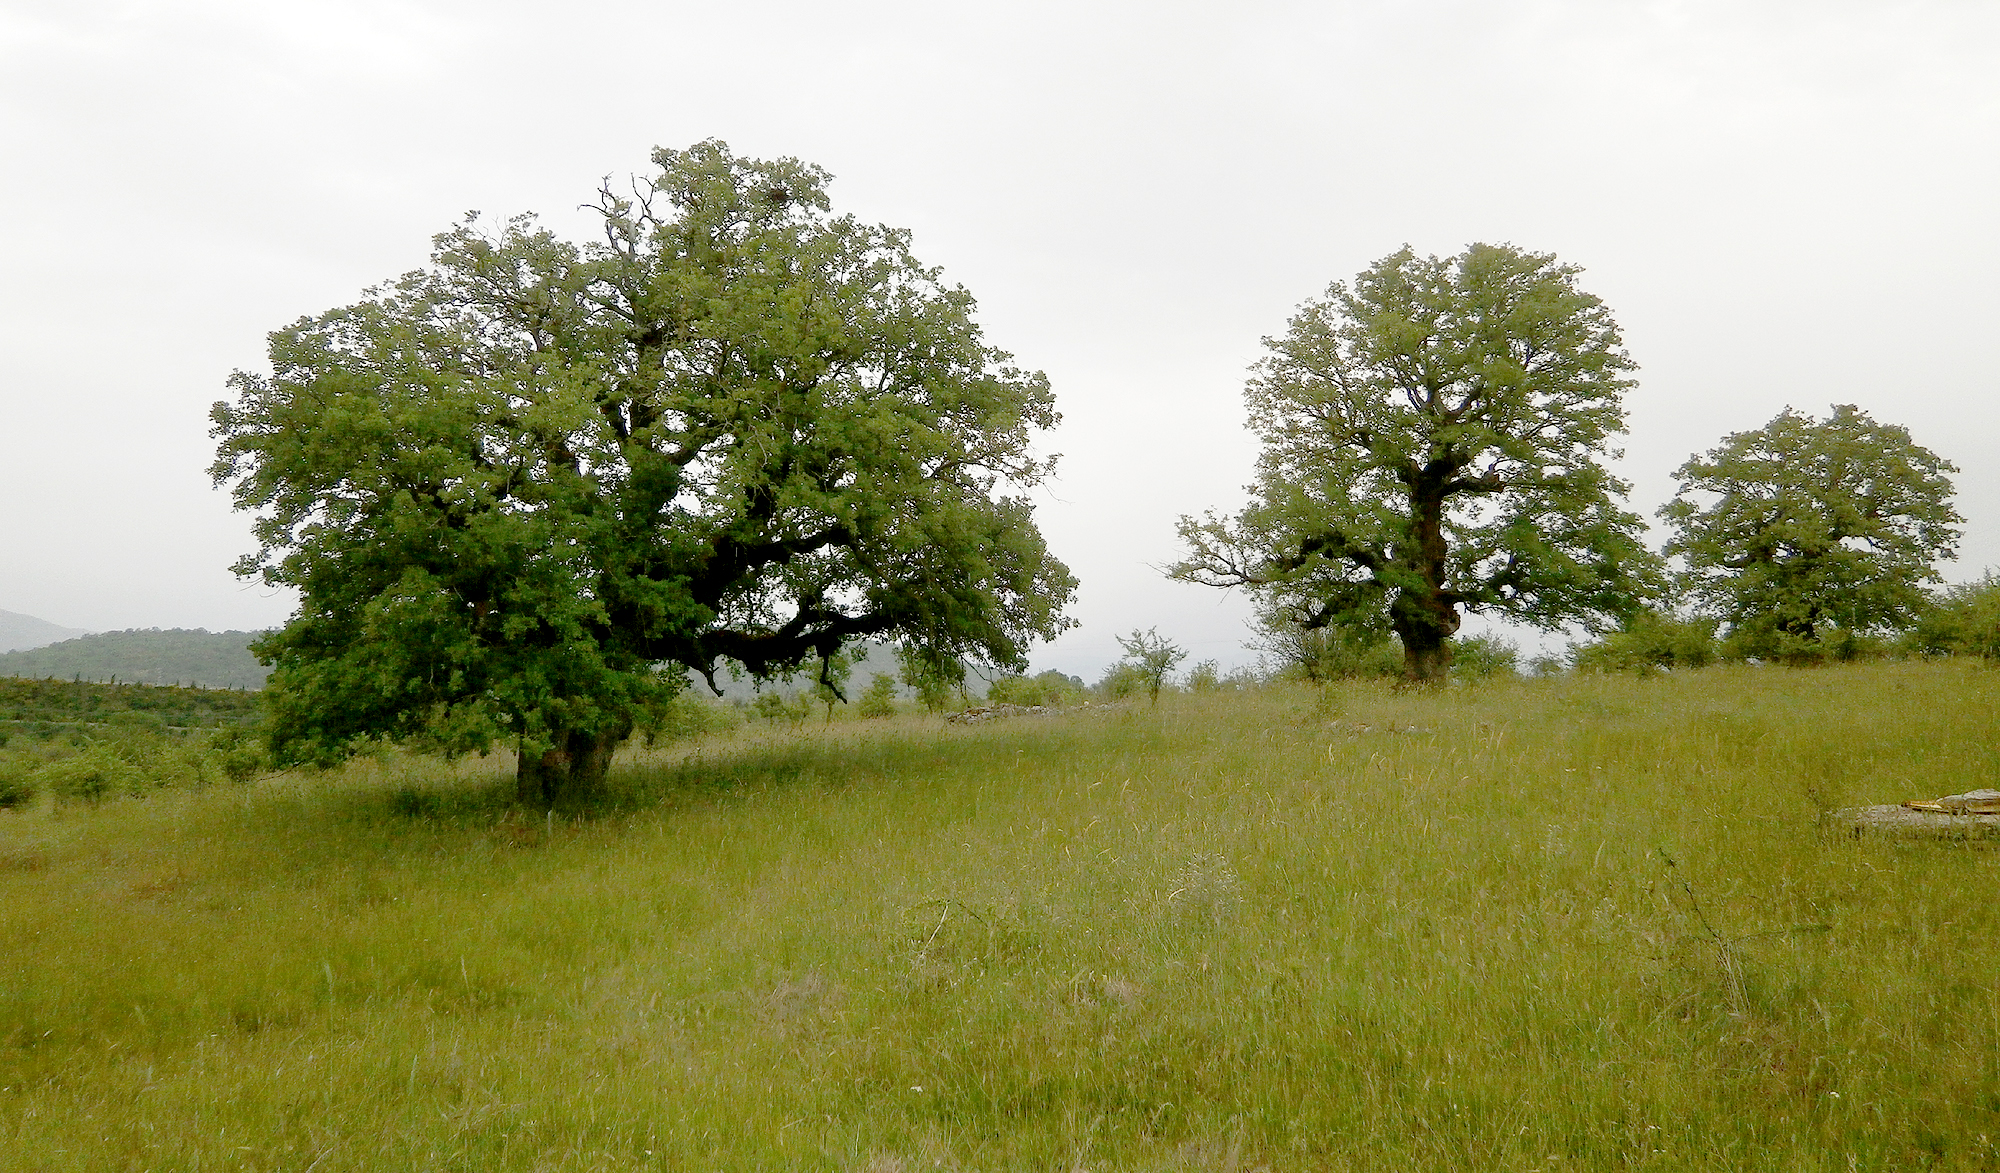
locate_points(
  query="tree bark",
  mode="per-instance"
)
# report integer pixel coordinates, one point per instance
(571, 769)
(1426, 618)
(1425, 625)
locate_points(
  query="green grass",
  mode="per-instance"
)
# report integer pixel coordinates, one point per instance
(1238, 931)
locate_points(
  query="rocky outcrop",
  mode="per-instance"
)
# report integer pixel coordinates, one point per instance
(1972, 815)
(986, 713)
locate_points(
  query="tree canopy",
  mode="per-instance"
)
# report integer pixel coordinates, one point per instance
(523, 490)
(1432, 444)
(1805, 526)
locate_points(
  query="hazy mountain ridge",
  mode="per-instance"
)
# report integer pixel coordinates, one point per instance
(198, 657)
(222, 659)
(20, 632)
(874, 658)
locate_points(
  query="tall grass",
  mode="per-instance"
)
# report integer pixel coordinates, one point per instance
(1574, 923)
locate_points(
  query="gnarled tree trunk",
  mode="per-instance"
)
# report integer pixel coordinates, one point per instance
(1425, 625)
(572, 768)
(1425, 619)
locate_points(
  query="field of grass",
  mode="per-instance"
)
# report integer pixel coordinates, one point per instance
(1579, 923)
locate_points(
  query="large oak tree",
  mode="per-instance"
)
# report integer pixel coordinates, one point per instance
(523, 490)
(1433, 443)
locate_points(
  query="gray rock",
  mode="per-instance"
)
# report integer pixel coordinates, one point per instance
(987, 713)
(1972, 802)
(1921, 821)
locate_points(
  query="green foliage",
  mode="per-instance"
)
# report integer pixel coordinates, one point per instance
(829, 686)
(1208, 676)
(1050, 689)
(1828, 644)
(17, 783)
(1151, 657)
(779, 708)
(87, 702)
(879, 699)
(84, 741)
(1807, 536)
(1120, 680)
(937, 680)
(96, 773)
(523, 489)
(1482, 657)
(1321, 654)
(197, 658)
(1649, 641)
(1432, 443)
(1963, 620)
(690, 716)
(241, 754)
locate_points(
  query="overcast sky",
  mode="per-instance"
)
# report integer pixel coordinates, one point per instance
(1783, 203)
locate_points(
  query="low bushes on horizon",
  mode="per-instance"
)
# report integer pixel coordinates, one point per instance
(1051, 689)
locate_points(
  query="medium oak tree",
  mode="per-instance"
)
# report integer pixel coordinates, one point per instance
(522, 491)
(1433, 439)
(1804, 527)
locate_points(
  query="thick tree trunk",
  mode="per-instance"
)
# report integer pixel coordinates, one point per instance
(570, 770)
(1425, 626)
(1426, 618)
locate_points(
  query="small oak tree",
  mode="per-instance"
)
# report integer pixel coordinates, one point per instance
(523, 490)
(1804, 527)
(1149, 656)
(1432, 443)
(879, 699)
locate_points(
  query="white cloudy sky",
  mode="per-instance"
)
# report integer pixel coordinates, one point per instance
(1783, 202)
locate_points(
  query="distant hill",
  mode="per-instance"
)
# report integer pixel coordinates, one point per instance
(205, 659)
(25, 631)
(222, 659)
(877, 659)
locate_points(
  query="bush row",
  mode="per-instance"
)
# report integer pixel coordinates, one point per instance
(92, 763)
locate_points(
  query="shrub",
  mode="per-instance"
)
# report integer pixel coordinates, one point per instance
(17, 784)
(1208, 676)
(1050, 688)
(1765, 641)
(1649, 642)
(690, 715)
(1320, 654)
(1120, 681)
(241, 754)
(89, 776)
(1963, 620)
(775, 707)
(1482, 656)
(879, 699)
(933, 678)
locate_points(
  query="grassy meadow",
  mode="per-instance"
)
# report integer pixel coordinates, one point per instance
(1575, 923)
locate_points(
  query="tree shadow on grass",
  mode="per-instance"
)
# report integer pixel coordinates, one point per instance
(430, 791)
